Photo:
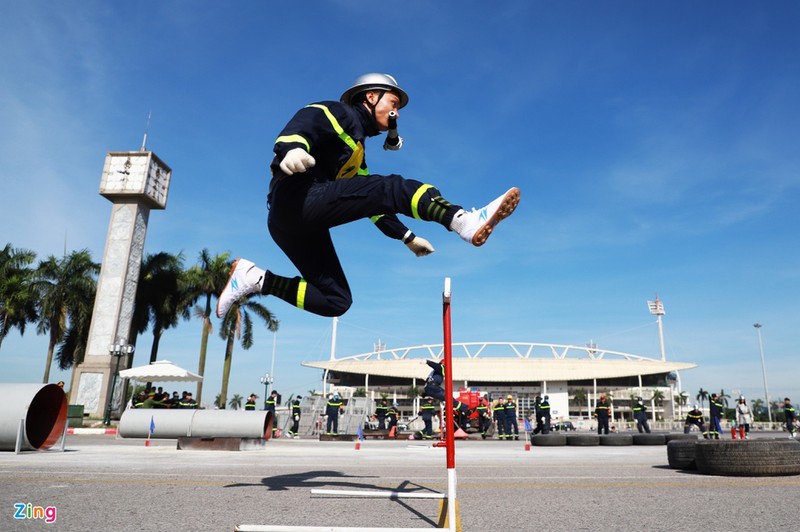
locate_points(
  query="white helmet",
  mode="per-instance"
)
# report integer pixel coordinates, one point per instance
(374, 81)
(695, 406)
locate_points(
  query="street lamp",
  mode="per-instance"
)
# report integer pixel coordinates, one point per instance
(266, 380)
(117, 350)
(764, 371)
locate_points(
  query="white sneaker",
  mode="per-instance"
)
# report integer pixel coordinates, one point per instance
(237, 286)
(475, 226)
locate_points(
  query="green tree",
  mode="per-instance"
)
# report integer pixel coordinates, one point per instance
(759, 412)
(236, 402)
(206, 280)
(702, 395)
(66, 289)
(162, 297)
(723, 398)
(658, 397)
(581, 397)
(238, 325)
(17, 300)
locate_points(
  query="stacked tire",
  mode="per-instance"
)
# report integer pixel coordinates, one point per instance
(749, 458)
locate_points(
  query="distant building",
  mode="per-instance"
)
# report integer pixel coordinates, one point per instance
(573, 377)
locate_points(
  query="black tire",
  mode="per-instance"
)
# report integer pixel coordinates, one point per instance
(616, 439)
(672, 436)
(583, 440)
(649, 439)
(549, 440)
(748, 458)
(681, 454)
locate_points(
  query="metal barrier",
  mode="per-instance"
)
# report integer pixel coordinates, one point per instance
(172, 424)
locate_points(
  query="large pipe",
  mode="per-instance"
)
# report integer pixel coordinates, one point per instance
(171, 424)
(42, 408)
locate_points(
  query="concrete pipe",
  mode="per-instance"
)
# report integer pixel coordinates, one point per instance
(43, 409)
(172, 424)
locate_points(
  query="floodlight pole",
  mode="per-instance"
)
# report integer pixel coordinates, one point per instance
(764, 371)
(657, 308)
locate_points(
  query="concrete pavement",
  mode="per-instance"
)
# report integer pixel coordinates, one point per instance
(102, 482)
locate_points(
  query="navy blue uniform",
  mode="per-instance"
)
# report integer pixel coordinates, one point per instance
(715, 412)
(332, 410)
(602, 411)
(337, 190)
(426, 412)
(510, 411)
(640, 415)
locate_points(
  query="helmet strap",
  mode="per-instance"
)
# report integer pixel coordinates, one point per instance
(372, 106)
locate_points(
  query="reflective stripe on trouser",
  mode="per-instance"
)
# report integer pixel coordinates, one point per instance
(302, 213)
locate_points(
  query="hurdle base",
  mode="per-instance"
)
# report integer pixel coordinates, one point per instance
(443, 520)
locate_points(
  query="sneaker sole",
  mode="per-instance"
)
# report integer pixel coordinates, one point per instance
(230, 276)
(510, 202)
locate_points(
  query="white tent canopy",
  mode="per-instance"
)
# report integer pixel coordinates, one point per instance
(160, 371)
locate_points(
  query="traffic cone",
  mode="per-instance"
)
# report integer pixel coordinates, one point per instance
(358, 445)
(393, 432)
(459, 433)
(733, 433)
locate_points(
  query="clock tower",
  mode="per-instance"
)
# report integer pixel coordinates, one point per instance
(135, 182)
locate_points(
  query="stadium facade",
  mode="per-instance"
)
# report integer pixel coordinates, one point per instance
(573, 377)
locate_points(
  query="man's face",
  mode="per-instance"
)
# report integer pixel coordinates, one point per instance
(389, 102)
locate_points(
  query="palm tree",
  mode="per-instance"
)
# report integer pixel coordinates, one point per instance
(759, 412)
(238, 324)
(65, 289)
(702, 395)
(236, 402)
(658, 397)
(723, 398)
(72, 349)
(17, 302)
(207, 279)
(581, 396)
(162, 297)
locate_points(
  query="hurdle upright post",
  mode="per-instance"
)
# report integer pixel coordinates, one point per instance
(450, 441)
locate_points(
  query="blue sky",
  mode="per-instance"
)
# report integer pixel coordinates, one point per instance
(655, 145)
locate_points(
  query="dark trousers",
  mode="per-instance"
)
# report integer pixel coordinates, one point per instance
(381, 422)
(333, 421)
(700, 425)
(546, 425)
(512, 428)
(302, 212)
(437, 392)
(715, 429)
(295, 426)
(483, 424)
(642, 425)
(501, 427)
(602, 424)
(428, 431)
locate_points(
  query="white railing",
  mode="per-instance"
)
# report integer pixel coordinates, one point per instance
(489, 349)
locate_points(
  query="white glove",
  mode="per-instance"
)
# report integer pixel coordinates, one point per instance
(420, 247)
(297, 160)
(387, 146)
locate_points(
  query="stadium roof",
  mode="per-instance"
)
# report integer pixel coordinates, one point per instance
(519, 368)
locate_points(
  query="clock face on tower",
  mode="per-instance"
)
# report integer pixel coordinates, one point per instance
(138, 175)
